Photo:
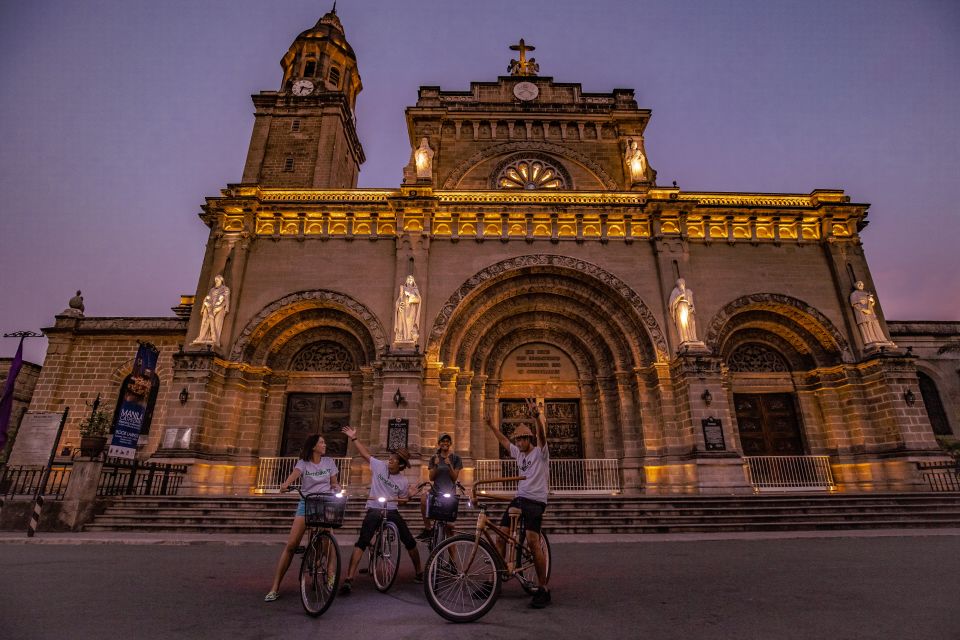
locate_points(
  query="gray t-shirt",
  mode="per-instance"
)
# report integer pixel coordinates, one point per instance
(443, 483)
(316, 477)
(535, 465)
(383, 484)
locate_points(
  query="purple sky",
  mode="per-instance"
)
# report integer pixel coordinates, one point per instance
(119, 117)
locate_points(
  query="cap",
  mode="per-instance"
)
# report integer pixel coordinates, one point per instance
(522, 430)
(444, 436)
(403, 453)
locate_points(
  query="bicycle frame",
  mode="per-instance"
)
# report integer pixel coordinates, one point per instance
(484, 526)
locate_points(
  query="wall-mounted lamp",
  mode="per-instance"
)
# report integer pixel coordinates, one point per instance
(909, 398)
(707, 397)
(184, 395)
(398, 397)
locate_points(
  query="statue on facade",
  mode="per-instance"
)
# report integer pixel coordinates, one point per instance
(407, 324)
(864, 311)
(74, 307)
(636, 161)
(423, 157)
(684, 313)
(215, 307)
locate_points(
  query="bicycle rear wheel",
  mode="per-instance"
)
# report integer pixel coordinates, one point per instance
(386, 557)
(319, 573)
(458, 588)
(527, 570)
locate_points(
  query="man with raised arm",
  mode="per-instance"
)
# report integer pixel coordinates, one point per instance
(533, 462)
(386, 481)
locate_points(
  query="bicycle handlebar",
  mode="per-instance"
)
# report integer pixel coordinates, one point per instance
(476, 484)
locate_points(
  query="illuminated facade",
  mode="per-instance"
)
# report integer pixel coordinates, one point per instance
(546, 255)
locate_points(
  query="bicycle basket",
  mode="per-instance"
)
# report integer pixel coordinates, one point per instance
(324, 510)
(441, 508)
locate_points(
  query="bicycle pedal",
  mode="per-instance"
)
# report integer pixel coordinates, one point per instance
(364, 570)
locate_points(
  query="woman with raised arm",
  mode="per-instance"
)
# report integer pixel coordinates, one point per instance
(319, 474)
(386, 481)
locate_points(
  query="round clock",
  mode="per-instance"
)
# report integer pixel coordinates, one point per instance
(526, 91)
(302, 88)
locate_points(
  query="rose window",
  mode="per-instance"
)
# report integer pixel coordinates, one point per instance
(529, 173)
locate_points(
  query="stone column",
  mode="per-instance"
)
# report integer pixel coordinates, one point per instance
(463, 438)
(478, 430)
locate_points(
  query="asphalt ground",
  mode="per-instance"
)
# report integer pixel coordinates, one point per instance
(837, 585)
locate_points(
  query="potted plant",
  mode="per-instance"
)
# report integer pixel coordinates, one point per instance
(93, 433)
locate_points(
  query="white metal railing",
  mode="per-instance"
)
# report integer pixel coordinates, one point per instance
(273, 471)
(567, 476)
(789, 473)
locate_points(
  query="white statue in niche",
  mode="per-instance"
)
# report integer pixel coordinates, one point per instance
(423, 157)
(636, 161)
(215, 306)
(864, 303)
(684, 313)
(407, 324)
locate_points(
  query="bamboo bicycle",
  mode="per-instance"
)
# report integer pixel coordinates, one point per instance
(464, 573)
(320, 568)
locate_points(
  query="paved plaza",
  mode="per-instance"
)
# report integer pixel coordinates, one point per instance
(865, 585)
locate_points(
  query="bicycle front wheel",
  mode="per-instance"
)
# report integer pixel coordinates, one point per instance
(386, 557)
(527, 570)
(459, 585)
(319, 573)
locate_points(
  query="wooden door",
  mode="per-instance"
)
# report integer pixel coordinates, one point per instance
(309, 413)
(768, 424)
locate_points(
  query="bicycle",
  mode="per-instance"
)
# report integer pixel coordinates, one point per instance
(385, 550)
(442, 509)
(464, 574)
(320, 567)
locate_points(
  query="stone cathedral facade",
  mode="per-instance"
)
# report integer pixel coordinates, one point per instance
(529, 251)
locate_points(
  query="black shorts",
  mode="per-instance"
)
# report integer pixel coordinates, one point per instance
(371, 522)
(532, 513)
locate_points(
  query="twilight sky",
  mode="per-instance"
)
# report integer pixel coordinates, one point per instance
(117, 118)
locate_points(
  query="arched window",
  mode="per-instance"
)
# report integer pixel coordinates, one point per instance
(931, 400)
(310, 68)
(531, 173)
(334, 77)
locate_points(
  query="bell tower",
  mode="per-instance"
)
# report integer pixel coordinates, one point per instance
(304, 136)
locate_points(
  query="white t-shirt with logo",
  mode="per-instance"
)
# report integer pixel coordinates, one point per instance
(535, 465)
(383, 484)
(316, 476)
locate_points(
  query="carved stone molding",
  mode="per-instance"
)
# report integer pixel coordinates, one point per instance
(320, 298)
(560, 172)
(805, 315)
(323, 356)
(492, 273)
(755, 357)
(397, 363)
(513, 147)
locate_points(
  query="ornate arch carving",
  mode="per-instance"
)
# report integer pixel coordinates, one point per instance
(493, 273)
(756, 356)
(278, 310)
(817, 324)
(566, 182)
(512, 147)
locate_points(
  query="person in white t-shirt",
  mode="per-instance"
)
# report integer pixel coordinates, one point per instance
(319, 475)
(533, 462)
(387, 481)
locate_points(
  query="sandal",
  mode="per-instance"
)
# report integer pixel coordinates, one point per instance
(270, 597)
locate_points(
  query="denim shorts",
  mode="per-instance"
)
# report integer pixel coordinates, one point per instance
(301, 510)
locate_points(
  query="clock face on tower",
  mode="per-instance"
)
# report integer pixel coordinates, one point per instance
(302, 88)
(526, 91)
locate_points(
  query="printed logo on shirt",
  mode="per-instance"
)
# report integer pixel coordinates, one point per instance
(317, 474)
(525, 463)
(390, 483)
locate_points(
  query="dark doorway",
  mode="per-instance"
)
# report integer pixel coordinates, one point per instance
(563, 425)
(931, 400)
(309, 413)
(768, 424)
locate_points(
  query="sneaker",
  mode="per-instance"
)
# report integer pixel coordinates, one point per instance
(331, 581)
(418, 578)
(346, 588)
(540, 599)
(270, 597)
(425, 535)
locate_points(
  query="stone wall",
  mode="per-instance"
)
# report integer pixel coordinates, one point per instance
(22, 395)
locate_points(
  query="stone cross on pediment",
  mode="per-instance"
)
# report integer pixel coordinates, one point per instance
(523, 67)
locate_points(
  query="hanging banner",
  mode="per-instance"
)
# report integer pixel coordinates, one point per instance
(134, 402)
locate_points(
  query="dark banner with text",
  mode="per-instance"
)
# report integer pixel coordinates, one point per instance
(134, 402)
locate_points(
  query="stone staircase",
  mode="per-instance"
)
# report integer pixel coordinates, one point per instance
(565, 515)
